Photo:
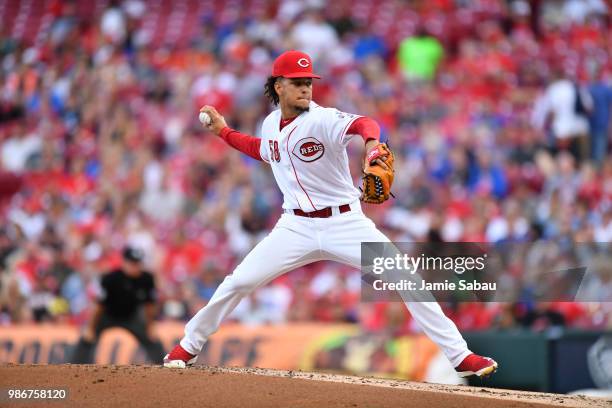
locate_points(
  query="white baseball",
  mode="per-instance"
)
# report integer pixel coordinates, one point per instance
(205, 118)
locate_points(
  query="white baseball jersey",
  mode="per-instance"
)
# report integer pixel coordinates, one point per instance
(309, 159)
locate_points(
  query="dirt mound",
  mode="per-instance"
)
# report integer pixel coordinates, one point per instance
(146, 386)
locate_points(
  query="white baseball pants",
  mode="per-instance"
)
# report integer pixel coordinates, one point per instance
(296, 241)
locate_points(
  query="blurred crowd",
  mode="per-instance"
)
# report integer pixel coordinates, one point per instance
(498, 111)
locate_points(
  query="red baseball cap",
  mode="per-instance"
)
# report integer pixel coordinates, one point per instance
(293, 64)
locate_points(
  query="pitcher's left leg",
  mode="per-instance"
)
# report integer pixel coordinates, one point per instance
(343, 242)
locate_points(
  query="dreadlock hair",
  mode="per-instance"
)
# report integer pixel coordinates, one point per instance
(269, 90)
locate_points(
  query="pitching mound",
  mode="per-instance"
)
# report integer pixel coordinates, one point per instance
(151, 386)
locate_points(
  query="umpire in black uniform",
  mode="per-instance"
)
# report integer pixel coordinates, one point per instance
(128, 300)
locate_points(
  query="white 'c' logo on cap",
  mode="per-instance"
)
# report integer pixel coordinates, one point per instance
(303, 62)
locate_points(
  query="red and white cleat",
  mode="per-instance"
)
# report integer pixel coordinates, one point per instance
(179, 358)
(476, 365)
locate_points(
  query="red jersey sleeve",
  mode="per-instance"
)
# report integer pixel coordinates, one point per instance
(365, 127)
(247, 144)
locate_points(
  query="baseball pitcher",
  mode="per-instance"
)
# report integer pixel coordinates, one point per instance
(305, 144)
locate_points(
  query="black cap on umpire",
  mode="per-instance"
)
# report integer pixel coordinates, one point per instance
(132, 254)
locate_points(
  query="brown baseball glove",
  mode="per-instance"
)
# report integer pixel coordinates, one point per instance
(377, 180)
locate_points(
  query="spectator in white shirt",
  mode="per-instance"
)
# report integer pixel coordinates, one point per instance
(313, 35)
(564, 108)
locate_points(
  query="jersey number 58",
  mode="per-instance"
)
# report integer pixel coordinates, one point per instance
(274, 152)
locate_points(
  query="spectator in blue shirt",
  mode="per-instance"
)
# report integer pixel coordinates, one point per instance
(601, 92)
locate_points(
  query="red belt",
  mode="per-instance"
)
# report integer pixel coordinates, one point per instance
(322, 213)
